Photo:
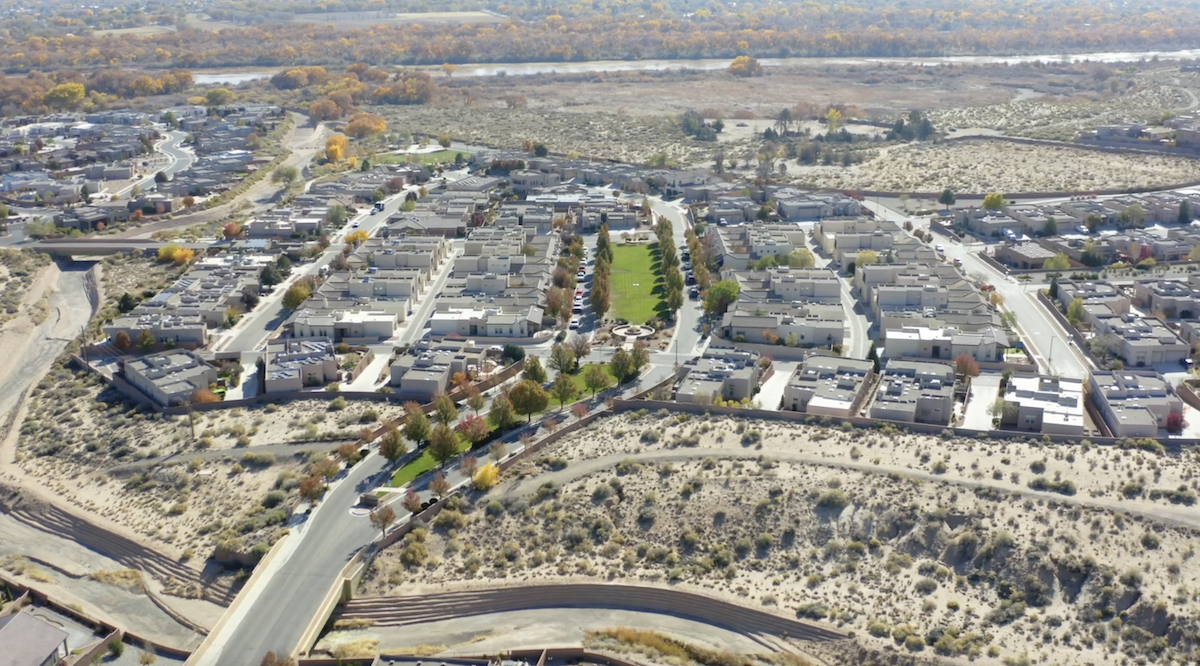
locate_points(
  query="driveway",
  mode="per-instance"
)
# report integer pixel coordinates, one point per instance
(984, 390)
(772, 391)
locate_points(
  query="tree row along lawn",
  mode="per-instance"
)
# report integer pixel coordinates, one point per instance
(421, 464)
(637, 296)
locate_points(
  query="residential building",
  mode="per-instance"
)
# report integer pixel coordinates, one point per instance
(343, 321)
(720, 373)
(171, 377)
(1133, 403)
(793, 285)
(1025, 255)
(1168, 298)
(988, 223)
(1100, 299)
(166, 327)
(293, 364)
(915, 391)
(1145, 341)
(27, 640)
(493, 322)
(829, 386)
(768, 322)
(987, 344)
(1049, 405)
(429, 368)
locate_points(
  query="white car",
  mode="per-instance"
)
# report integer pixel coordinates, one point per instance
(941, 249)
(575, 321)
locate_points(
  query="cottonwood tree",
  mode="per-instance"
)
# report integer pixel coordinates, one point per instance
(416, 423)
(383, 518)
(391, 445)
(443, 443)
(469, 465)
(475, 400)
(562, 359)
(564, 390)
(502, 415)
(529, 398)
(966, 365)
(581, 346)
(596, 379)
(444, 410)
(439, 486)
(411, 501)
(534, 371)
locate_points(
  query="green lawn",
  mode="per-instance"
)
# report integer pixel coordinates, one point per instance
(577, 379)
(637, 296)
(421, 464)
(426, 158)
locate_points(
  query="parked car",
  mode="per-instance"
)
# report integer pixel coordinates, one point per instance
(575, 321)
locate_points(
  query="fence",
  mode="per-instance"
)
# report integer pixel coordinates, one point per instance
(35, 596)
(620, 406)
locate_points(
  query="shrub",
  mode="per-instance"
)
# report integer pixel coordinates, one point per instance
(252, 459)
(450, 519)
(337, 404)
(116, 648)
(833, 499)
(274, 499)
(751, 437)
(926, 585)
(914, 643)
(487, 477)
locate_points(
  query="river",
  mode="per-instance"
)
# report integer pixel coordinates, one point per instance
(236, 76)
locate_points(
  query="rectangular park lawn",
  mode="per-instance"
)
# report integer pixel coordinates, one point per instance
(634, 278)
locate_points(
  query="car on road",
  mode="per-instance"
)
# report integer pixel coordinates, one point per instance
(694, 294)
(354, 226)
(578, 294)
(941, 249)
(575, 321)
(691, 278)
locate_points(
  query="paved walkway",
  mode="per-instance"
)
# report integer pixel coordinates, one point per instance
(984, 390)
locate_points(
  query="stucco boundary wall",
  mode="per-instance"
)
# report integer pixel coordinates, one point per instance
(243, 594)
(621, 406)
(110, 632)
(141, 398)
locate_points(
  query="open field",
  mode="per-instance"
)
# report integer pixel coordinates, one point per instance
(139, 31)
(369, 19)
(982, 166)
(439, 157)
(634, 279)
(915, 543)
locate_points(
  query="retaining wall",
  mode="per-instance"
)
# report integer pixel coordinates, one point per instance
(42, 599)
(620, 406)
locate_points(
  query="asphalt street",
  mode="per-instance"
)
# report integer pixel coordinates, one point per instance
(1043, 336)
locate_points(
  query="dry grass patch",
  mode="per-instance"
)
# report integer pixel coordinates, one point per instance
(128, 579)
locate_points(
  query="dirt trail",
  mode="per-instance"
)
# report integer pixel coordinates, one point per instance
(28, 355)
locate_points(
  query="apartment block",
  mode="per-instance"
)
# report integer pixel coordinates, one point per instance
(1145, 341)
(915, 391)
(293, 364)
(1049, 405)
(1168, 298)
(987, 344)
(829, 386)
(725, 374)
(1134, 404)
(170, 378)
(429, 368)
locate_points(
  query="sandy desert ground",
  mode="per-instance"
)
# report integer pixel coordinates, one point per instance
(915, 543)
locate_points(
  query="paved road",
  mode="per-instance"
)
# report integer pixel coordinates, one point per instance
(259, 325)
(277, 616)
(1043, 336)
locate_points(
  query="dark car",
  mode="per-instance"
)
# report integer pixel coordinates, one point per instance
(694, 294)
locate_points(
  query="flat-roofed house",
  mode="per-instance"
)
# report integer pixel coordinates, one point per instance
(915, 391)
(829, 385)
(171, 377)
(1049, 405)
